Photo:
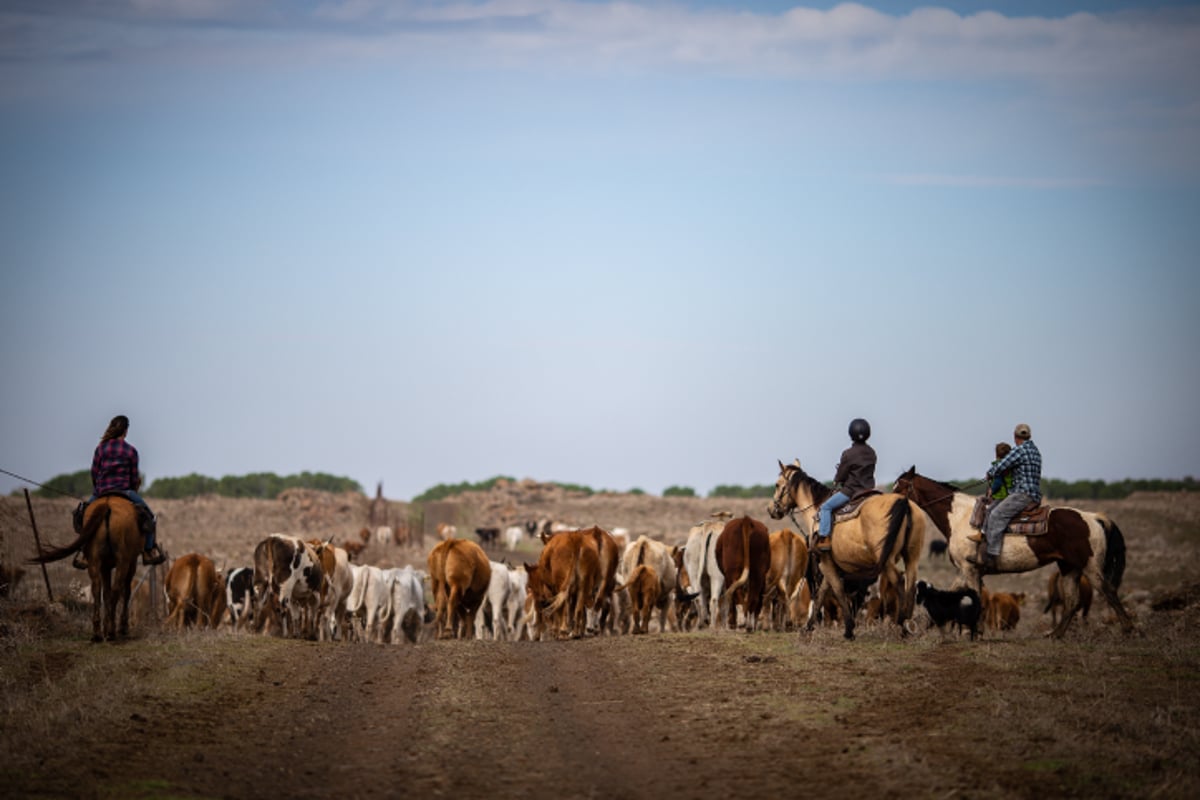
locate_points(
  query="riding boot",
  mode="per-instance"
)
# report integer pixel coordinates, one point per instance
(80, 561)
(77, 517)
(149, 527)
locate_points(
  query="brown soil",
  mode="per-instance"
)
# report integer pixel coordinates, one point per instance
(707, 714)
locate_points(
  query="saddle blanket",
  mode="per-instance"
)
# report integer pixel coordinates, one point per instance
(1033, 520)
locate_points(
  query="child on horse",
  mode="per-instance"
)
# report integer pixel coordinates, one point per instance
(1024, 462)
(115, 471)
(855, 473)
(1002, 483)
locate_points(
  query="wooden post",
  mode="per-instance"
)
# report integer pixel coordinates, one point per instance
(38, 541)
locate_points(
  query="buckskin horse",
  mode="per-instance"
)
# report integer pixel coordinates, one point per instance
(112, 542)
(887, 530)
(1080, 542)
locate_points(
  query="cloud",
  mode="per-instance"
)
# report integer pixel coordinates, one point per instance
(849, 41)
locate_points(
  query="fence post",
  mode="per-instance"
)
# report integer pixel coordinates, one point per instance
(38, 541)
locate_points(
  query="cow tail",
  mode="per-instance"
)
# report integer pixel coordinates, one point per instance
(744, 578)
(1114, 553)
(899, 520)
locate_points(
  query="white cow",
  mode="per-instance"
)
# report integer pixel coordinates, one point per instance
(384, 535)
(495, 602)
(408, 595)
(371, 601)
(700, 561)
(513, 536)
(514, 605)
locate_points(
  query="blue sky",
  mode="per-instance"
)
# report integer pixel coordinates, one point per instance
(618, 244)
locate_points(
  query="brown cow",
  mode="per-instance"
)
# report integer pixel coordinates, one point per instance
(563, 584)
(1054, 598)
(1001, 610)
(195, 593)
(644, 587)
(743, 552)
(789, 563)
(459, 572)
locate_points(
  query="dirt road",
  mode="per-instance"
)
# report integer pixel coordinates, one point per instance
(686, 716)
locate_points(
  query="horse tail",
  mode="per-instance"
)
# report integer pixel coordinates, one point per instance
(899, 520)
(89, 532)
(1114, 553)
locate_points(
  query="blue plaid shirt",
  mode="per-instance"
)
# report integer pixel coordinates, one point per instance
(1025, 461)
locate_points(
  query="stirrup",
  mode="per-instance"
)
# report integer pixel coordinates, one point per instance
(152, 557)
(824, 544)
(80, 561)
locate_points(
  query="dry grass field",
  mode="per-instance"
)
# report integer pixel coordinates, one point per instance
(693, 715)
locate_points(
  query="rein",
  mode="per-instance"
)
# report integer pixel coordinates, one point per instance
(927, 503)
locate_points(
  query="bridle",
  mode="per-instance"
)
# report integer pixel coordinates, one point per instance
(911, 489)
(793, 482)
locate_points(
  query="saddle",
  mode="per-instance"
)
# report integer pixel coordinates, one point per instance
(1033, 520)
(851, 509)
(145, 518)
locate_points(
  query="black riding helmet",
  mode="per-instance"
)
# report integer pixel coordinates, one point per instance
(860, 430)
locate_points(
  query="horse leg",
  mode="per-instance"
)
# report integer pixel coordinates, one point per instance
(97, 597)
(833, 582)
(1068, 588)
(110, 605)
(1114, 601)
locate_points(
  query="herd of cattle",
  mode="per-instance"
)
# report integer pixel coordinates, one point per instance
(730, 573)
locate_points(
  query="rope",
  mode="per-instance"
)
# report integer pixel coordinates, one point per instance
(41, 485)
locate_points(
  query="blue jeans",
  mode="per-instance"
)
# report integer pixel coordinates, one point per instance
(836, 501)
(998, 518)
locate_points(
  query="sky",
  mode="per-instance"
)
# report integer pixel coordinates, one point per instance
(619, 244)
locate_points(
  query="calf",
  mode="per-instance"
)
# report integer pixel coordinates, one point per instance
(1054, 598)
(1001, 610)
(937, 548)
(961, 607)
(644, 590)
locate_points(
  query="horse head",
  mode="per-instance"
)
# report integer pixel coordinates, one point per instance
(793, 487)
(906, 484)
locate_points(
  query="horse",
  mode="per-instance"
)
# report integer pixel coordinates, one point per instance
(887, 530)
(1080, 542)
(112, 541)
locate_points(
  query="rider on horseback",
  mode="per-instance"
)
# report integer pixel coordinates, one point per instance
(115, 471)
(855, 473)
(1025, 465)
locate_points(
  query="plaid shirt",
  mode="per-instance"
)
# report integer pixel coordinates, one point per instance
(114, 467)
(1025, 461)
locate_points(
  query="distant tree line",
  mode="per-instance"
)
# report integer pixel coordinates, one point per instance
(265, 485)
(743, 492)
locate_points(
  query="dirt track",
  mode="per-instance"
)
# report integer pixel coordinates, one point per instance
(696, 715)
(692, 715)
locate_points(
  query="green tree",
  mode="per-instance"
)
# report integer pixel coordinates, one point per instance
(679, 491)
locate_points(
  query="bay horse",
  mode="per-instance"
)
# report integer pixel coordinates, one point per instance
(1079, 542)
(112, 542)
(887, 530)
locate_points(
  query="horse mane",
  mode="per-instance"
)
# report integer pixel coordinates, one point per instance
(949, 487)
(819, 491)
